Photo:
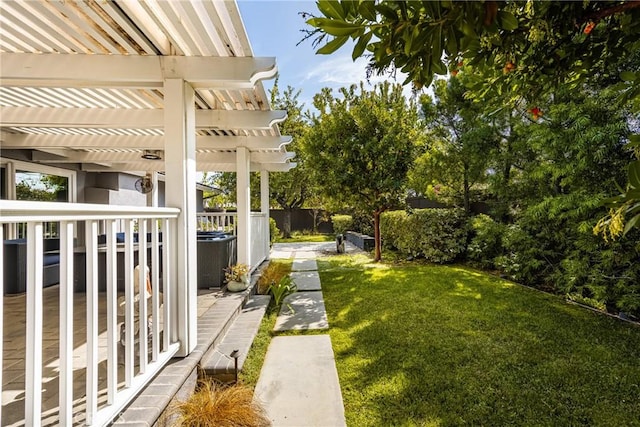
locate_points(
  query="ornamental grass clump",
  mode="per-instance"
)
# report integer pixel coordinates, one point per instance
(222, 406)
(273, 273)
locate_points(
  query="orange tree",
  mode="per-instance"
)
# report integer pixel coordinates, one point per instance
(514, 48)
(360, 147)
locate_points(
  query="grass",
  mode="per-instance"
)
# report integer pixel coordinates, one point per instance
(445, 345)
(297, 237)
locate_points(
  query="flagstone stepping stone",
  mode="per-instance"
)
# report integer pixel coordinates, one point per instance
(306, 280)
(308, 264)
(299, 385)
(302, 311)
(280, 254)
(305, 254)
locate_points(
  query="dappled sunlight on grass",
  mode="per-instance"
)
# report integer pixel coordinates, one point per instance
(421, 344)
(463, 290)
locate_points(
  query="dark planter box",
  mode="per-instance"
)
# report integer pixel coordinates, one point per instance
(364, 242)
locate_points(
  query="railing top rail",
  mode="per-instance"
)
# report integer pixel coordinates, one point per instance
(258, 214)
(23, 211)
(216, 213)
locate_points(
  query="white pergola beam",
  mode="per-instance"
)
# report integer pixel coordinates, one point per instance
(87, 142)
(122, 118)
(141, 167)
(135, 157)
(133, 71)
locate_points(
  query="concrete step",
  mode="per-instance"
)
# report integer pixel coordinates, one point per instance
(218, 363)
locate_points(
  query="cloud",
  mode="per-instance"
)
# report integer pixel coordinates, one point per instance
(339, 70)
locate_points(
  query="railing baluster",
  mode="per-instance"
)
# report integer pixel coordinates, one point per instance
(33, 358)
(113, 334)
(91, 239)
(1, 308)
(155, 291)
(128, 295)
(66, 322)
(167, 285)
(142, 294)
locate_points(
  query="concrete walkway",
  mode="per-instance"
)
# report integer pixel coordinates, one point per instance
(298, 384)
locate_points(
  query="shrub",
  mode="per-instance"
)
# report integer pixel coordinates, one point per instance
(439, 235)
(391, 225)
(602, 274)
(486, 243)
(552, 247)
(217, 405)
(341, 223)
(362, 223)
(274, 231)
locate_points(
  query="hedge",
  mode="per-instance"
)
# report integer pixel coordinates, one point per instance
(439, 235)
(341, 223)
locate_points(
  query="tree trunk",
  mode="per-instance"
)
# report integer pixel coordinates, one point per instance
(376, 237)
(315, 214)
(286, 225)
(467, 205)
(506, 172)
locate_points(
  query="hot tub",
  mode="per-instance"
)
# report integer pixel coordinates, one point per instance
(216, 251)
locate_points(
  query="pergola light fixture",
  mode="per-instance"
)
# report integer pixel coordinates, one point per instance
(152, 155)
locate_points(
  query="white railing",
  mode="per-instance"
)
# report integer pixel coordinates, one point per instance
(259, 238)
(102, 256)
(217, 221)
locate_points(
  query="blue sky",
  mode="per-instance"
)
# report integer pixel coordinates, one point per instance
(273, 27)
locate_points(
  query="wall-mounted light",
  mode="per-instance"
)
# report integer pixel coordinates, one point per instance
(152, 155)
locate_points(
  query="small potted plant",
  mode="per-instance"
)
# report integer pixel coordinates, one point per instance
(237, 277)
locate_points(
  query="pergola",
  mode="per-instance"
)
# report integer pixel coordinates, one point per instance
(142, 87)
(102, 85)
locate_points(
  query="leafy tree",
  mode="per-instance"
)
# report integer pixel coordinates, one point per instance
(525, 49)
(458, 157)
(226, 182)
(572, 160)
(362, 146)
(533, 44)
(290, 189)
(40, 187)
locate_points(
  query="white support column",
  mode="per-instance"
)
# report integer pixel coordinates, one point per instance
(243, 186)
(264, 206)
(180, 181)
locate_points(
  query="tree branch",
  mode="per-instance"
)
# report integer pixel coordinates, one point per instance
(598, 15)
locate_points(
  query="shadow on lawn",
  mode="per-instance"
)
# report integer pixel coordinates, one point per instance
(430, 344)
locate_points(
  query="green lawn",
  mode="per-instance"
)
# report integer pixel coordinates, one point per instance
(297, 237)
(447, 345)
